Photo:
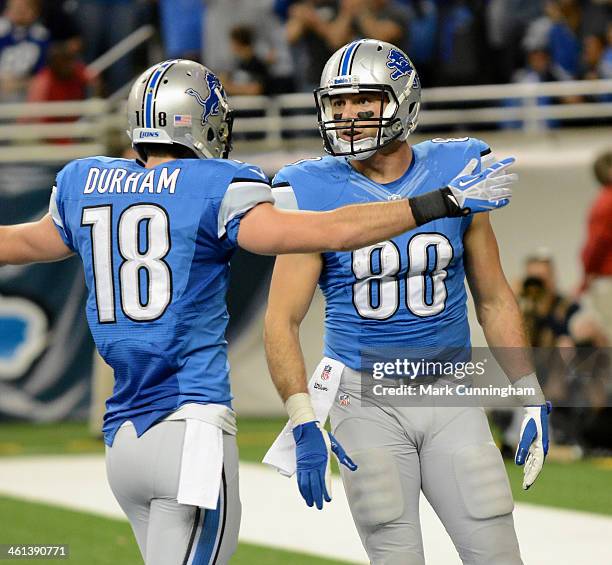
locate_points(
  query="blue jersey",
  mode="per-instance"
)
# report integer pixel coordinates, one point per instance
(404, 293)
(22, 49)
(155, 245)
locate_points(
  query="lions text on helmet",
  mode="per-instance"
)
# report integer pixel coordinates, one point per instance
(180, 102)
(370, 95)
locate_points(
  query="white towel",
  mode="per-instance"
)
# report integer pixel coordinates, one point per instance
(323, 387)
(201, 465)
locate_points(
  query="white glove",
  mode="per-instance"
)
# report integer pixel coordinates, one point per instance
(533, 444)
(487, 190)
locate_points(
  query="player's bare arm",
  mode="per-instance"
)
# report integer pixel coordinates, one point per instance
(266, 230)
(501, 321)
(496, 307)
(33, 242)
(284, 314)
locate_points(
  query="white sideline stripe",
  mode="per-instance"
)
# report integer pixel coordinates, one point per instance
(274, 514)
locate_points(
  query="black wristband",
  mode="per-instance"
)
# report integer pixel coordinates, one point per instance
(436, 204)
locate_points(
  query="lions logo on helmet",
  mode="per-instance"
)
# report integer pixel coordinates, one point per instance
(372, 66)
(399, 63)
(163, 101)
(211, 102)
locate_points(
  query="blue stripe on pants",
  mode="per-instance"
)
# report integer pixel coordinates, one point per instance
(207, 544)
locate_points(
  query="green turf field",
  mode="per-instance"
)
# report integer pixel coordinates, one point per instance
(101, 541)
(581, 485)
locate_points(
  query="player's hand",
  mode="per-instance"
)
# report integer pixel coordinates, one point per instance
(533, 443)
(484, 191)
(313, 446)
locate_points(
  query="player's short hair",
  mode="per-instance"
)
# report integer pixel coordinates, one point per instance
(167, 150)
(602, 168)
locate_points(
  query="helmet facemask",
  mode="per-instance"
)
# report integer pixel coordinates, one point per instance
(368, 66)
(388, 124)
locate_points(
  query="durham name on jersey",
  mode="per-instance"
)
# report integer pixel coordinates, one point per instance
(404, 293)
(155, 245)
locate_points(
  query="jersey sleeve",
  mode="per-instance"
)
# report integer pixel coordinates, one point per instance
(487, 157)
(56, 211)
(248, 187)
(284, 195)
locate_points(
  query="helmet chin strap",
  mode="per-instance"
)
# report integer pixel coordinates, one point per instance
(361, 156)
(345, 147)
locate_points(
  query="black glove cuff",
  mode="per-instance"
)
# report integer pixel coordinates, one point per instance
(436, 204)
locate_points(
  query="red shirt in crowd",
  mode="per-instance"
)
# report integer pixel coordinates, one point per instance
(597, 252)
(46, 86)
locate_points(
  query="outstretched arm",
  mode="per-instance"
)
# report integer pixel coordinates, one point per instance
(34, 242)
(266, 230)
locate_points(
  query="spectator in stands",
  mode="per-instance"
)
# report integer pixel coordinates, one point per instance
(506, 23)
(23, 47)
(539, 68)
(461, 46)
(313, 33)
(104, 23)
(59, 17)
(181, 28)
(270, 42)
(387, 20)
(593, 47)
(607, 55)
(318, 27)
(250, 75)
(545, 310)
(597, 251)
(595, 17)
(557, 30)
(593, 67)
(281, 8)
(63, 78)
(422, 39)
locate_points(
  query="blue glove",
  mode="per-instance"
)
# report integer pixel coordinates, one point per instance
(533, 444)
(484, 191)
(313, 446)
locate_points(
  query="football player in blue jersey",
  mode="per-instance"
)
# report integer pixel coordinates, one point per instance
(400, 293)
(155, 236)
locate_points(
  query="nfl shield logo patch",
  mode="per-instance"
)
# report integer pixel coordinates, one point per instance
(326, 372)
(344, 400)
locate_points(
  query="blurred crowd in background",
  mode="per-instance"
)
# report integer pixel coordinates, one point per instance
(571, 334)
(278, 46)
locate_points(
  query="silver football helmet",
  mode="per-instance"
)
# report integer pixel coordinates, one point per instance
(368, 65)
(180, 102)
